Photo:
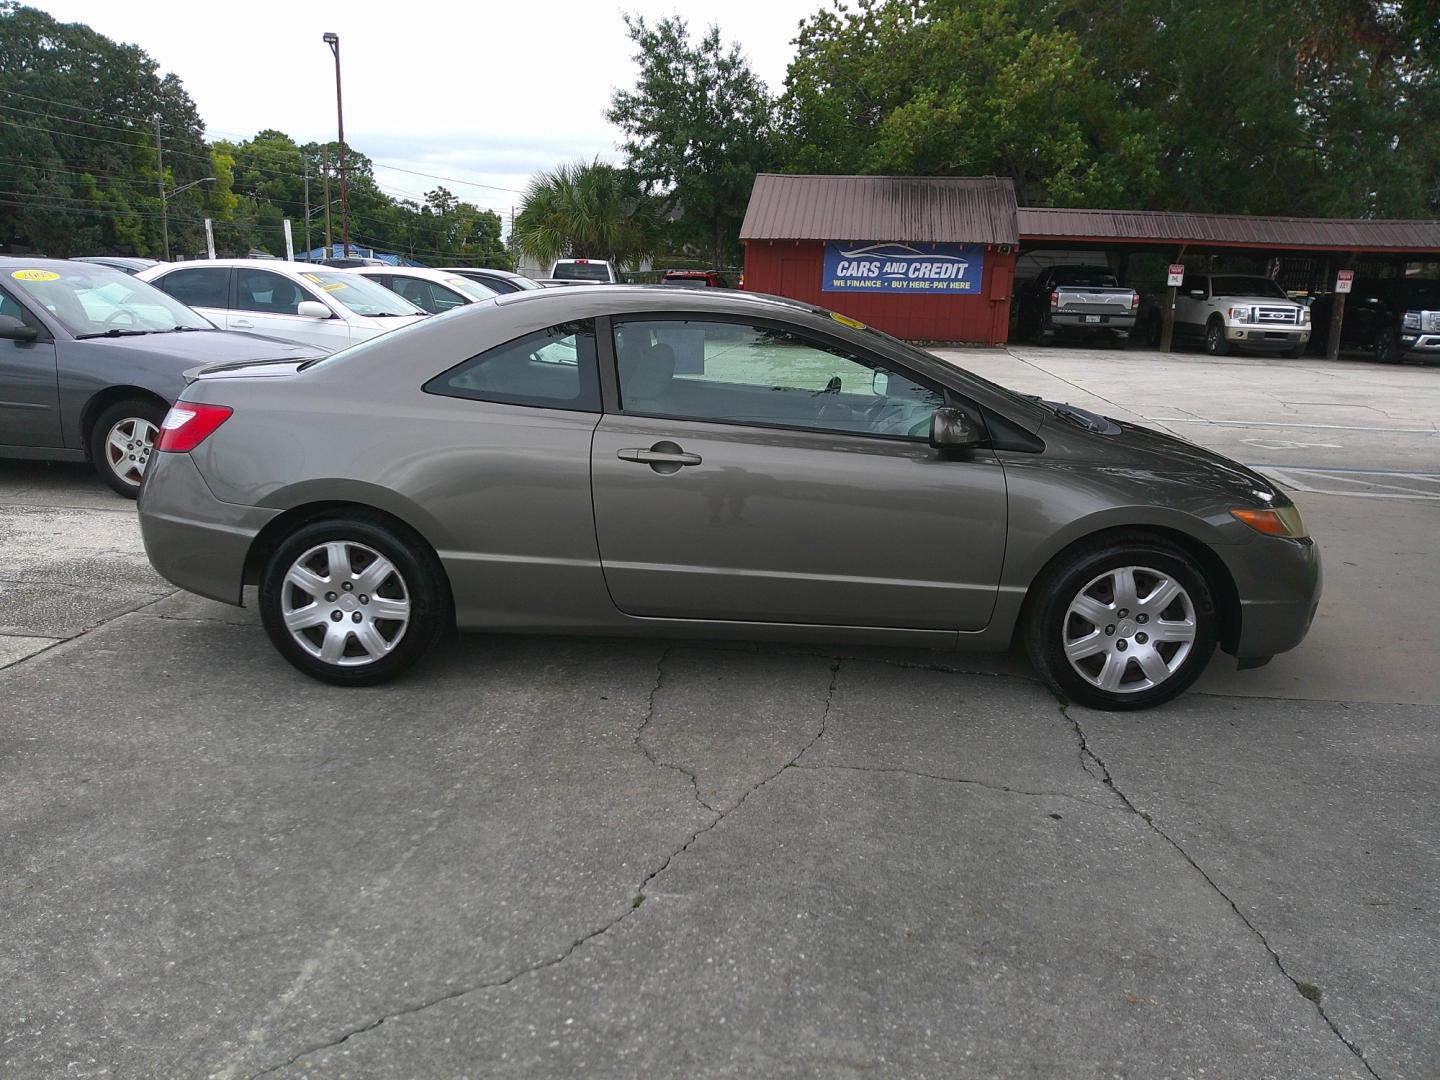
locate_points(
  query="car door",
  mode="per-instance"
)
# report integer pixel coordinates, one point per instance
(29, 383)
(268, 303)
(752, 471)
(1190, 311)
(205, 289)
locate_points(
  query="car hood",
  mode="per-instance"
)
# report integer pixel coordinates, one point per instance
(200, 347)
(1172, 456)
(1141, 452)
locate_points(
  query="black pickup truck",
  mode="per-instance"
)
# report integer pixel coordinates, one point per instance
(1394, 318)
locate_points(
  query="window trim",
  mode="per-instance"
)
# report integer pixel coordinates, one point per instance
(610, 366)
(228, 271)
(592, 397)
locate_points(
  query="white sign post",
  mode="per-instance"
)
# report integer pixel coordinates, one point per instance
(289, 242)
(1343, 280)
(209, 238)
(1173, 279)
(1176, 276)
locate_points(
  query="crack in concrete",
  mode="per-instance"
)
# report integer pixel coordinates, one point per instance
(630, 907)
(1300, 985)
(639, 737)
(964, 781)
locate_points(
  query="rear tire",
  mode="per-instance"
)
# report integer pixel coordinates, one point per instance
(122, 441)
(1387, 350)
(354, 600)
(1101, 643)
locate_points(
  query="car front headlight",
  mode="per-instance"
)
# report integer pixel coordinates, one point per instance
(1305, 316)
(1273, 521)
(1240, 314)
(1411, 320)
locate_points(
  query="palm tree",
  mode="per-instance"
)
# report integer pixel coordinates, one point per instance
(586, 211)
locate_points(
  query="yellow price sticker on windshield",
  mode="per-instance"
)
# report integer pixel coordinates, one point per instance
(334, 286)
(845, 320)
(312, 277)
(35, 275)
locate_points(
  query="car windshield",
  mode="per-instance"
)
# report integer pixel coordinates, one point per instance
(1235, 285)
(1083, 275)
(361, 295)
(90, 300)
(590, 271)
(470, 287)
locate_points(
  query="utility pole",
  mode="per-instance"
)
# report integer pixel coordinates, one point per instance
(160, 183)
(308, 248)
(333, 40)
(325, 169)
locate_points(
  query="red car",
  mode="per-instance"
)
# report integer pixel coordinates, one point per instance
(695, 279)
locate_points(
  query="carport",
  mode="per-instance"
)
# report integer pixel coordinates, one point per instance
(1304, 255)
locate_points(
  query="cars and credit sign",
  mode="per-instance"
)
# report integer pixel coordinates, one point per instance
(903, 268)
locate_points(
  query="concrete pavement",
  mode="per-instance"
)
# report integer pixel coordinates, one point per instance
(597, 858)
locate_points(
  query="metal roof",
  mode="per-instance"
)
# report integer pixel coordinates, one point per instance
(1229, 230)
(932, 209)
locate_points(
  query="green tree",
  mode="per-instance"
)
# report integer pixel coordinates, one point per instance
(581, 210)
(78, 165)
(698, 127)
(949, 87)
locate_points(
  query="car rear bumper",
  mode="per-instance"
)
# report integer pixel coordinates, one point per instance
(193, 539)
(1279, 593)
(1060, 320)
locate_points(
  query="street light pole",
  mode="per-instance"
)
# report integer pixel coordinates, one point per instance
(333, 40)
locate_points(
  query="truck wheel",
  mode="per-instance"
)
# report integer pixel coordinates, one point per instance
(1215, 343)
(1385, 350)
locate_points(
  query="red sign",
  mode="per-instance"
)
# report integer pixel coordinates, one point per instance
(1343, 280)
(1176, 275)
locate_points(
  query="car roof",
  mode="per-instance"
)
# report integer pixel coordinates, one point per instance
(263, 264)
(41, 261)
(482, 270)
(428, 272)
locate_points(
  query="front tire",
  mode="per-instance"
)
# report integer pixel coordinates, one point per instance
(122, 441)
(1121, 625)
(1387, 350)
(1215, 343)
(354, 601)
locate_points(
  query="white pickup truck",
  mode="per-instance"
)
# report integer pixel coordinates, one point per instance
(1240, 311)
(582, 272)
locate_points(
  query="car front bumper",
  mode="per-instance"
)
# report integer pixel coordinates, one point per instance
(1414, 343)
(1263, 337)
(1279, 584)
(193, 539)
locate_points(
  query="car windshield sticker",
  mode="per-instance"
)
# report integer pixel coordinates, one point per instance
(35, 275)
(334, 286)
(312, 277)
(845, 320)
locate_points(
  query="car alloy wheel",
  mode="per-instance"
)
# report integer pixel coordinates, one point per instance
(1215, 343)
(345, 604)
(128, 446)
(1129, 629)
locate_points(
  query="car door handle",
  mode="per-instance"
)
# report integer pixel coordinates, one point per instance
(656, 456)
(246, 323)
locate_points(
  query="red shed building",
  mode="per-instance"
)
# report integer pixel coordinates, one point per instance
(928, 258)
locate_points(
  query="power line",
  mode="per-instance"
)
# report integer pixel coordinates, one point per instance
(450, 179)
(78, 108)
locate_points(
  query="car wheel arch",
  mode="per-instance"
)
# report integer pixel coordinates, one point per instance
(283, 524)
(1217, 574)
(111, 395)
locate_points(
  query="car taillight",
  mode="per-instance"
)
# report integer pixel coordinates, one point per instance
(188, 424)
(1054, 299)
(1134, 300)
(583, 262)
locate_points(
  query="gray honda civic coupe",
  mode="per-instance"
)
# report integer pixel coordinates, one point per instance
(91, 358)
(710, 464)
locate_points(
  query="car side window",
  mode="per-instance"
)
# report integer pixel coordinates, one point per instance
(267, 292)
(554, 368)
(201, 286)
(426, 295)
(739, 372)
(16, 310)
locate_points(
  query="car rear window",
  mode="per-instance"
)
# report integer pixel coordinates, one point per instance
(593, 271)
(1084, 275)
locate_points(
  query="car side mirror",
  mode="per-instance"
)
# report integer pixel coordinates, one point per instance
(1198, 294)
(312, 309)
(954, 429)
(12, 329)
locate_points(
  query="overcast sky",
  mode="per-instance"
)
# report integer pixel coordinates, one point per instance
(484, 91)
